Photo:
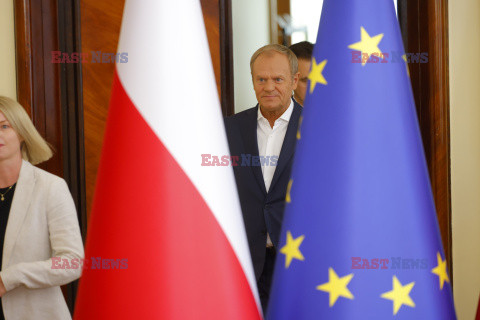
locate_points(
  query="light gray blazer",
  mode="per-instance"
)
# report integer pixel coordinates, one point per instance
(42, 224)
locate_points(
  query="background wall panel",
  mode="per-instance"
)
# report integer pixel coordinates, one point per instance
(464, 19)
(8, 76)
(100, 28)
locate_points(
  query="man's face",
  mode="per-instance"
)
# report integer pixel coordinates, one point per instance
(304, 69)
(273, 82)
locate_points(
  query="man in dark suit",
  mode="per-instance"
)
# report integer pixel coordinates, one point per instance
(304, 51)
(263, 138)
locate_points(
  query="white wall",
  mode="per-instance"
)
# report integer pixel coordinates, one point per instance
(251, 30)
(305, 13)
(464, 37)
(7, 53)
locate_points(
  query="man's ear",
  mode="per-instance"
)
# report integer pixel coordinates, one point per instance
(296, 77)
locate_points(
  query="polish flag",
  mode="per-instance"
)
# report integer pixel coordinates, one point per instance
(175, 224)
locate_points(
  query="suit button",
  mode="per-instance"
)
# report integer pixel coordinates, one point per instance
(264, 231)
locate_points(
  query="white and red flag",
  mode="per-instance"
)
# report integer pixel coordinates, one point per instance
(177, 223)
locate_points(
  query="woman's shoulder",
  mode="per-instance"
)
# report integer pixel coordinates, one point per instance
(40, 175)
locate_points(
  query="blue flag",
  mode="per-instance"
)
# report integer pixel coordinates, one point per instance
(360, 238)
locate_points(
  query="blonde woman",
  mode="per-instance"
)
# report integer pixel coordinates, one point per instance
(38, 222)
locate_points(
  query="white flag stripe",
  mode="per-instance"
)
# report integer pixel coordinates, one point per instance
(171, 82)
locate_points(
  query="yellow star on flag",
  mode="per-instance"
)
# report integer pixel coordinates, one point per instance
(404, 57)
(299, 126)
(289, 187)
(399, 295)
(336, 287)
(367, 44)
(291, 250)
(316, 75)
(441, 270)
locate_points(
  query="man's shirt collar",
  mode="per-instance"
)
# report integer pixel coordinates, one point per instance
(285, 116)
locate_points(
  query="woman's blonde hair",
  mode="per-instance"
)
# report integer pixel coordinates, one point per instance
(34, 148)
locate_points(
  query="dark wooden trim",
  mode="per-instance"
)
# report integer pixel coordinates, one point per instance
(51, 92)
(37, 77)
(424, 27)
(23, 54)
(226, 58)
(72, 105)
(72, 117)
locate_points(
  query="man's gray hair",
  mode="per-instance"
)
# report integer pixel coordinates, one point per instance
(292, 58)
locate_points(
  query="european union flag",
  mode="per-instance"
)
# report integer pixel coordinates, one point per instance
(360, 238)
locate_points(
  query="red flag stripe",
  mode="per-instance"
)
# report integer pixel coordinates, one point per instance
(139, 182)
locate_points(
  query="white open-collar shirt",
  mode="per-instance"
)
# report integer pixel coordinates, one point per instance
(270, 140)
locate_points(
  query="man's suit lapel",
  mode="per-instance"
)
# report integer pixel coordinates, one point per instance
(288, 147)
(18, 210)
(249, 136)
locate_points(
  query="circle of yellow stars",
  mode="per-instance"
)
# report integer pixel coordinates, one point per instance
(337, 286)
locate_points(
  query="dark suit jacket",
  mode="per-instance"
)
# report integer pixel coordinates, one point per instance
(262, 211)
